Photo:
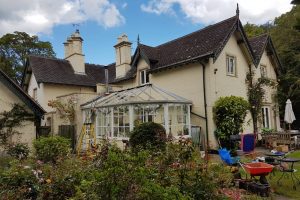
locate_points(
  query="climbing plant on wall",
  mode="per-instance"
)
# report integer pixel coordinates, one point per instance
(65, 110)
(256, 94)
(11, 119)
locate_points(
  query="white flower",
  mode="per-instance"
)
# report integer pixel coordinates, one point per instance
(34, 172)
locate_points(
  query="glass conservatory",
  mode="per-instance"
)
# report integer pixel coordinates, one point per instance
(116, 114)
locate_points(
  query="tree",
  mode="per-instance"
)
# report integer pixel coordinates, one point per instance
(295, 2)
(15, 48)
(297, 26)
(253, 30)
(287, 43)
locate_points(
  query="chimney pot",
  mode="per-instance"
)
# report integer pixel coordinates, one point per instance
(73, 52)
(123, 56)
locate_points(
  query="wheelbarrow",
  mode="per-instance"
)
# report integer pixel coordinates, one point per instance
(258, 169)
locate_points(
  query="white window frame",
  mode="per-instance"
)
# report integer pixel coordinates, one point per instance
(144, 77)
(263, 71)
(230, 70)
(103, 123)
(178, 116)
(266, 118)
(120, 128)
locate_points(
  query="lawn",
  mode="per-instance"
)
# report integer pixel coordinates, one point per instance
(286, 186)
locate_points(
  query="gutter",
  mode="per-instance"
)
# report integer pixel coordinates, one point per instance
(194, 59)
(205, 105)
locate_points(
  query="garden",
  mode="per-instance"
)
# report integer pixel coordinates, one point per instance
(153, 168)
(170, 171)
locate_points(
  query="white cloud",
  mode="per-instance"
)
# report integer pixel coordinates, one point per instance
(209, 11)
(40, 16)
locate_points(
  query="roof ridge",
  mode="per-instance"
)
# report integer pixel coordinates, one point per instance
(94, 64)
(146, 45)
(205, 28)
(49, 58)
(261, 35)
(114, 63)
(64, 60)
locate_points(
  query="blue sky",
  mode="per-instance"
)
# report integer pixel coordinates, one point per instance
(99, 41)
(102, 21)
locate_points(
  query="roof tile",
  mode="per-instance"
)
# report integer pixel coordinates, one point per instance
(258, 44)
(58, 71)
(199, 43)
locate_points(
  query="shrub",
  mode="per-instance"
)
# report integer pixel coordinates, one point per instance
(229, 115)
(147, 135)
(131, 175)
(177, 172)
(267, 130)
(50, 149)
(18, 182)
(18, 151)
(62, 179)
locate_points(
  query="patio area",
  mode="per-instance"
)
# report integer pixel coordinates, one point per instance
(290, 138)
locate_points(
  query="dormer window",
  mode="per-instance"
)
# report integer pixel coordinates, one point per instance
(230, 65)
(144, 77)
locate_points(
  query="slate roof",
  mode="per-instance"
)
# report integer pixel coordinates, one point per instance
(258, 45)
(206, 42)
(58, 71)
(198, 44)
(19, 92)
(261, 43)
(201, 44)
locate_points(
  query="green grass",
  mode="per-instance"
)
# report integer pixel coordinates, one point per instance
(286, 186)
(295, 154)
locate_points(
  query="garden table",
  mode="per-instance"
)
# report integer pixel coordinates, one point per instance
(290, 170)
(274, 159)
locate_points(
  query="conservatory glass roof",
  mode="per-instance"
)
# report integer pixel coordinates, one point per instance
(145, 94)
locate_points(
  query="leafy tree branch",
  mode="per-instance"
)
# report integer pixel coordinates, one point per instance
(16, 47)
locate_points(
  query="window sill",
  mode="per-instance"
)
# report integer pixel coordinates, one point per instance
(232, 75)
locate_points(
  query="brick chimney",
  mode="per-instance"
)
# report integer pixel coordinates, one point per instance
(123, 56)
(73, 52)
